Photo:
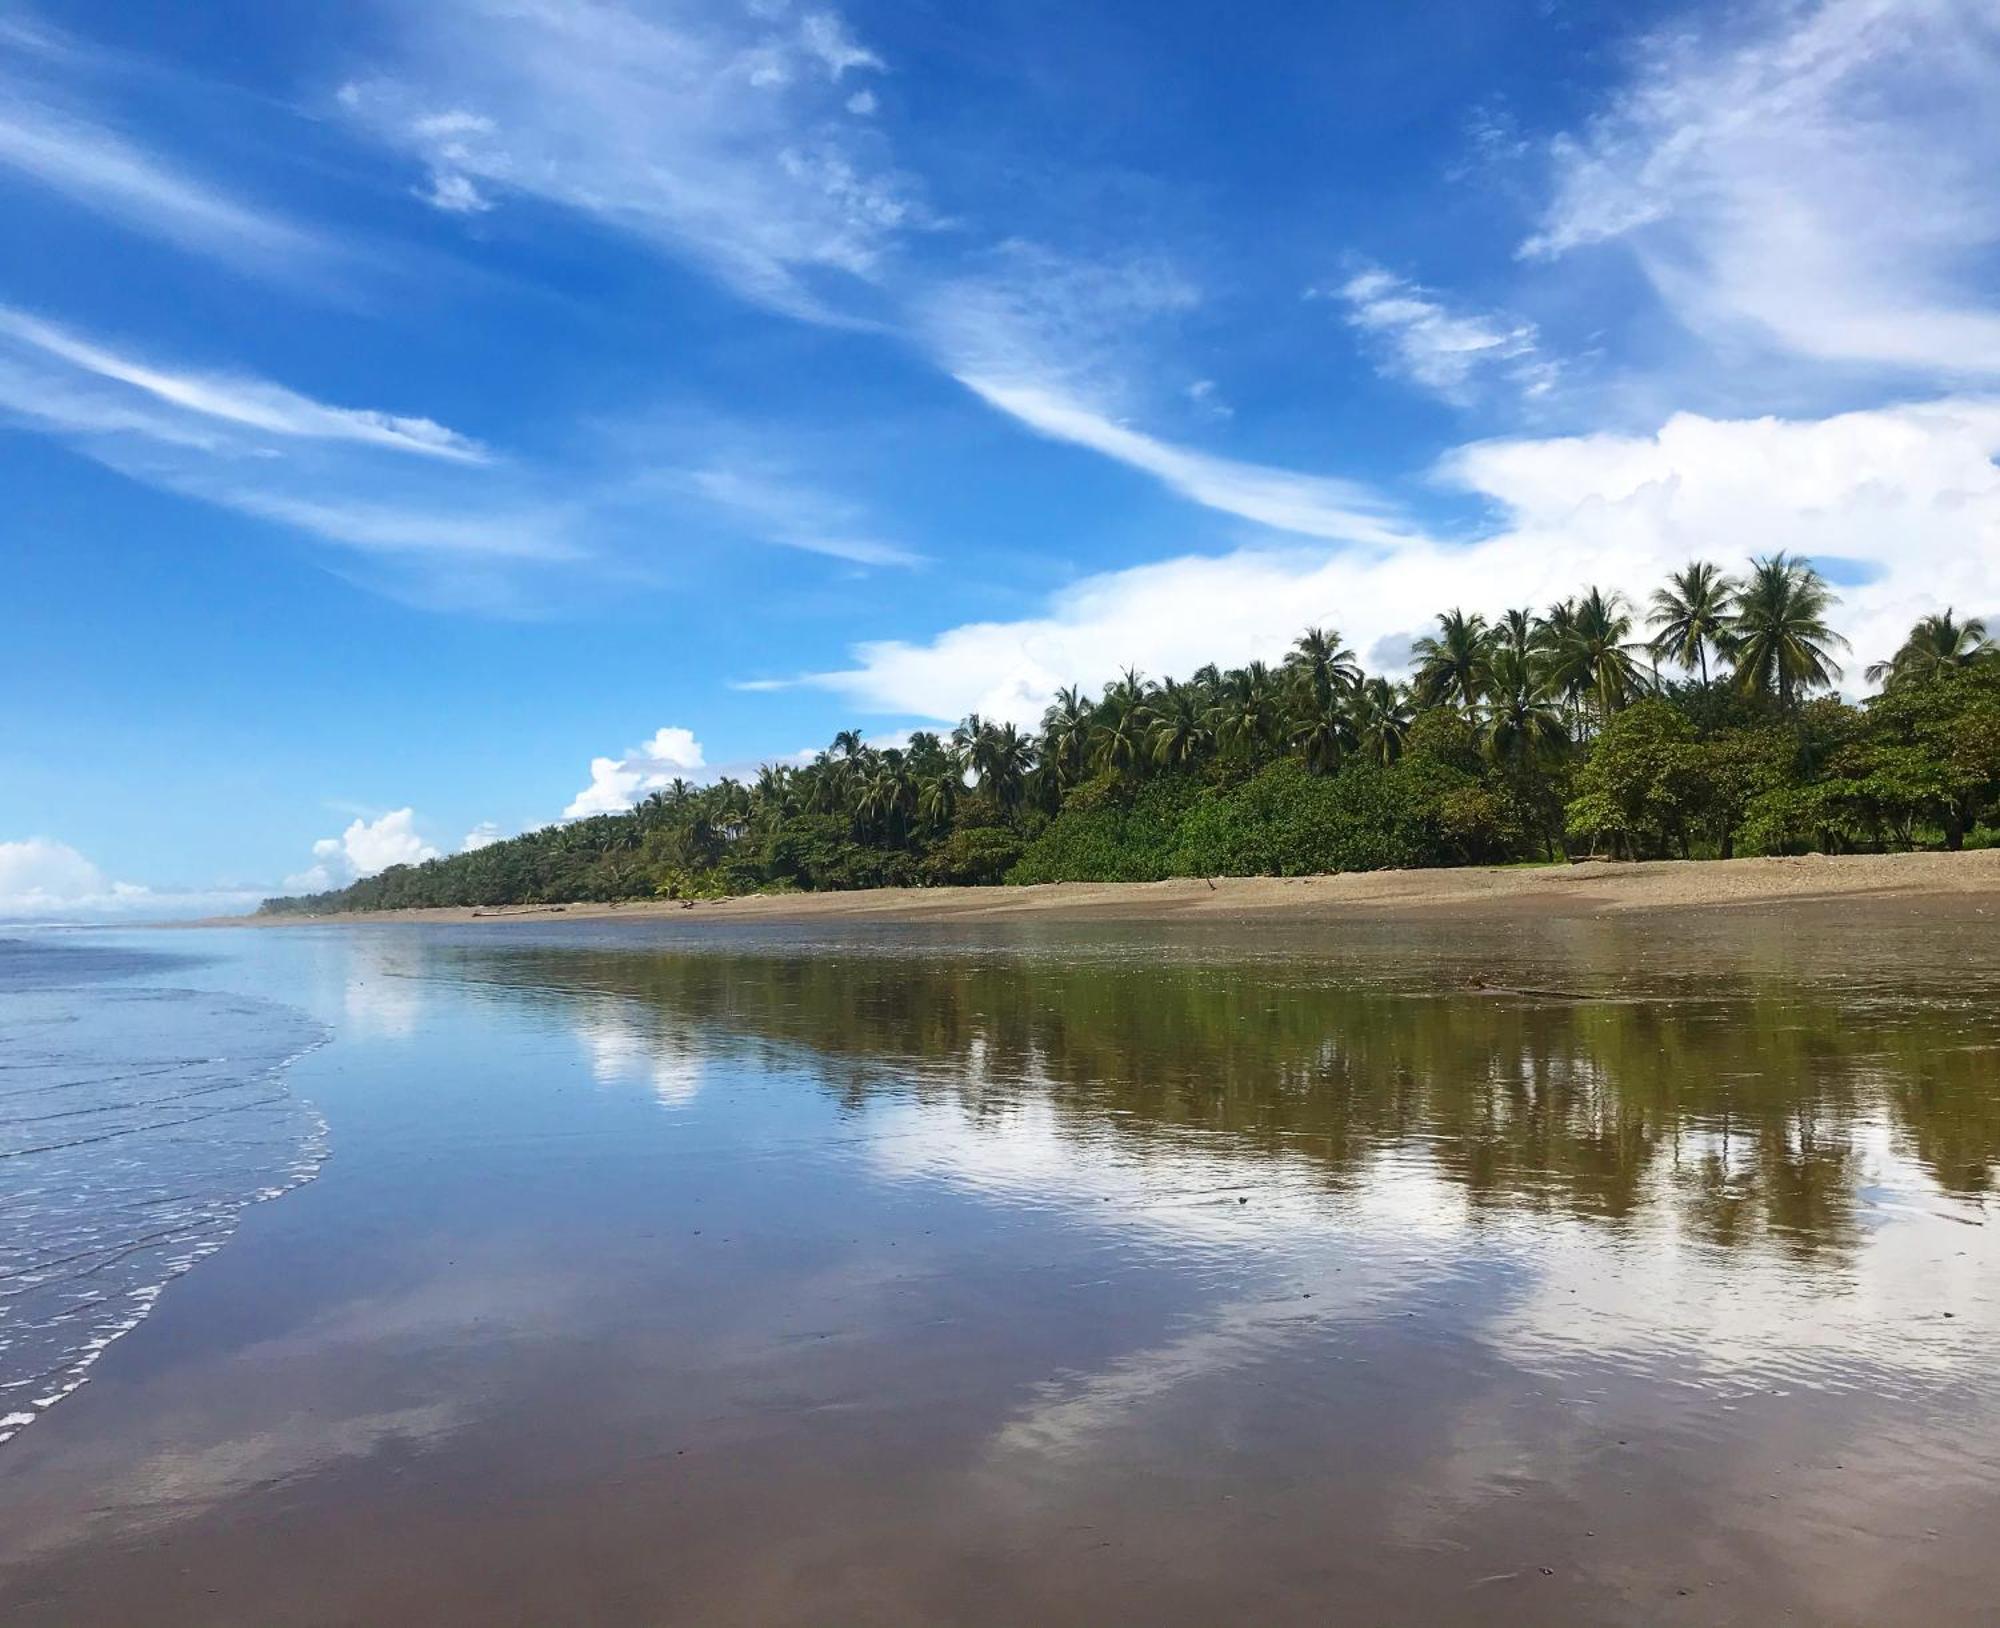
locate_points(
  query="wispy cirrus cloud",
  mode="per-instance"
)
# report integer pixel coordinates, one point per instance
(50, 138)
(1817, 178)
(723, 142)
(733, 147)
(1451, 352)
(234, 400)
(1051, 341)
(782, 511)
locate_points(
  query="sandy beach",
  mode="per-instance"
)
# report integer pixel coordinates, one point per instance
(1585, 889)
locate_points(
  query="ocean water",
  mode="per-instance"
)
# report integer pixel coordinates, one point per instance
(138, 1119)
(1437, 1272)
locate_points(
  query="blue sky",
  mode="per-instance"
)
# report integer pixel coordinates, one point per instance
(420, 421)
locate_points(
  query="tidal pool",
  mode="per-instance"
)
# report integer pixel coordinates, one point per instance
(1632, 1270)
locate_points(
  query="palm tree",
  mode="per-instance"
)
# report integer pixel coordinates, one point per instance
(1778, 634)
(1522, 722)
(1066, 735)
(1937, 644)
(1243, 712)
(1119, 740)
(1595, 656)
(1515, 631)
(966, 737)
(1322, 665)
(937, 798)
(1176, 728)
(1382, 717)
(1321, 732)
(1453, 667)
(1001, 758)
(1690, 616)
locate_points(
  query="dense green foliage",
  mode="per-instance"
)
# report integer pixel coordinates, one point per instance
(1531, 737)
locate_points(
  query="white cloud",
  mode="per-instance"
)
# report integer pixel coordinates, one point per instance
(455, 194)
(363, 849)
(705, 135)
(862, 103)
(792, 515)
(101, 170)
(1049, 341)
(1445, 351)
(482, 835)
(1308, 505)
(1819, 177)
(824, 35)
(1206, 396)
(247, 403)
(42, 879)
(1909, 495)
(616, 783)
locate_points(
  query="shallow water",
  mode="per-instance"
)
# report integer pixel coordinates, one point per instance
(1591, 1271)
(137, 1120)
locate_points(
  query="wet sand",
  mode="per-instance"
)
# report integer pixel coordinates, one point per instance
(1082, 1274)
(1516, 890)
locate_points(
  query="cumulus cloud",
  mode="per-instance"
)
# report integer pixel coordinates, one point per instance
(41, 879)
(363, 849)
(1908, 496)
(1417, 337)
(616, 783)
(482, 835)
(1817, 176)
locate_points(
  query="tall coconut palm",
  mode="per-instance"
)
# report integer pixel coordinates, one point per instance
(1938, 643)
(1118, 742)
(1321, 732)
(1323, 666)
(1778, 633)
(965, 739)
(1245, 709)
(1690, 616)
(937, 797)
(1382, 717)
(1177, 732)
(1515, 631)
(1454, 664)
(1001, 758)
(1522, 722)
(1066, 727)
(1596, 656)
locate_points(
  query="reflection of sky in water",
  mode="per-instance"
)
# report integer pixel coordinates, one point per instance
(1204, 1181)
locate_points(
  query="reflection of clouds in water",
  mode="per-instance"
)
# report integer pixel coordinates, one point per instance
(173, 1483)
(622, 1046)
(382, 994)
(1649, 1295)
(1750, 1316)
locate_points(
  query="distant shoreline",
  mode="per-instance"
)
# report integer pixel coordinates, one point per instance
(1586, 889)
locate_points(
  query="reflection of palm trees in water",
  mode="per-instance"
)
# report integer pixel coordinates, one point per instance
(1748, 1103)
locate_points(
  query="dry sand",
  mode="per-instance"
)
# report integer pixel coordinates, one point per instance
(1552, 890)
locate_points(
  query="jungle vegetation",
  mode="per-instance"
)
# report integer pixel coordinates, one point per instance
(1698, 726)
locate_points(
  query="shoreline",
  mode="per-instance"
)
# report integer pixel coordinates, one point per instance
(1590, 888)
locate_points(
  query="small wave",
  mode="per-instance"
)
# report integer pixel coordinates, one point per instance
(137, 1124)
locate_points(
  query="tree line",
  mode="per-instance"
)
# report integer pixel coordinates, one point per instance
(1698, 726)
